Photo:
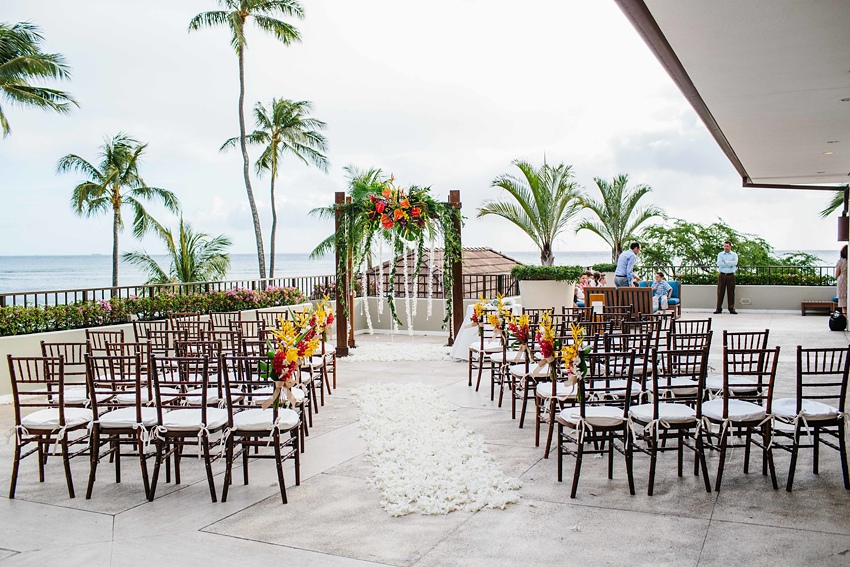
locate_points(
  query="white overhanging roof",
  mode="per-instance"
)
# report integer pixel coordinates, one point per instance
(769, 78)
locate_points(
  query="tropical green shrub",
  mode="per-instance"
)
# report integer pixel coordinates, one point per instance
(559, 273)
(604, 267)
(20, 320)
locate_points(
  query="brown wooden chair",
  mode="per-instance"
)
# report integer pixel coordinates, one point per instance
(221, 320)
(674, 413)
(231, 341)
(640, 298)
(141, 328)
(97, 339)
(594, 426)
(609, 295)
(276, 428)
(744, 418)
(163, 342)
(818, 409)
(125, 418)
(192, 327)
(249, 329)
(38, 388)
(74, 356)
(183, 316)
(271, 319)
(739, 385)
(188, 419)
(689, 326)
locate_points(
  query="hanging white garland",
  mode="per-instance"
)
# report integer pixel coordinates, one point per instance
(431, 278)
(407, 302)
(380, 278)
(365, 295)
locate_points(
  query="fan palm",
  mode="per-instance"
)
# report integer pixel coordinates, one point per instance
(361, 184)
(617, 214)
(287, 129)
(21, 60)
(235, 15)
(544, 202)
(114, 183)
(195, 257)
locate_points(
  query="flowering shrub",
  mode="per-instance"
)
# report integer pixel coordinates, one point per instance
(20, 320)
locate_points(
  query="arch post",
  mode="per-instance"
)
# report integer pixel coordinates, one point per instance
(457, 273)
(342, 282)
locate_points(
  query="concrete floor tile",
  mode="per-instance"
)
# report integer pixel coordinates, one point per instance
(26, 525)
(202, 549)
(349, 524)
(90, 555)
(731, 543)
(547, 533)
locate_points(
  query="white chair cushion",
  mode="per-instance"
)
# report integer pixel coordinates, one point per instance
(190, 419)
(739, 410)
(595, 416)
(130, 397)
(737, 384)
(48, 419)
(489, 346)
(261, 419)
(618, 387)
(126, 417)
(78, 395)
(812, 410)
(563, 391)
(681, 384)
(511, 356)
(669, 412)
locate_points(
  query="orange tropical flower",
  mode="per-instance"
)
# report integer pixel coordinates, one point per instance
(398, 214)
(404, 204)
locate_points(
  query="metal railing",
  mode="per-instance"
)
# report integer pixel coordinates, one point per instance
(751, 275)
(474, 285)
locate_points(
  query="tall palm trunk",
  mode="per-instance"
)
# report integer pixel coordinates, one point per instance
(258, 231)
(116, 224)
(274, 227)
(547, 258)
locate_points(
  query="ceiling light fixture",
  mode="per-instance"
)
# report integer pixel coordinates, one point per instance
(827, 153)
(821, 172)
(845, 100)
(832, 142)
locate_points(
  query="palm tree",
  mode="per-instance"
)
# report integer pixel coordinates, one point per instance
(286, 129)
(544, 202)
(21, 60)
(836, 203)
(195, 257)
(618, 214)
(360, 185)
(114, 183)
(235, 16)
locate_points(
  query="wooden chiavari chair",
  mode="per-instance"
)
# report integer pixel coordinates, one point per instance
(220, 321)
(74, 356)
(97, 339)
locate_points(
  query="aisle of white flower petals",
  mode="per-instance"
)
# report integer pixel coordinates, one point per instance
(425, 460)
(401, 350)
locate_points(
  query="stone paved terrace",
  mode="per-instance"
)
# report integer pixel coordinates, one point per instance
(334, 517)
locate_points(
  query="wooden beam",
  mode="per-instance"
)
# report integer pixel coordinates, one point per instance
(341, 319)
(457, 273)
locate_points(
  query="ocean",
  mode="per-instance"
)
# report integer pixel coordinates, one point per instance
(43, 273)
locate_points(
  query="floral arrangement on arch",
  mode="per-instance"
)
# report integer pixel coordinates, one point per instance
(383, 214)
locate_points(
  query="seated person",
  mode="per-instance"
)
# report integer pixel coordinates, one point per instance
(601, 279)
(661, 291)
(579, 293)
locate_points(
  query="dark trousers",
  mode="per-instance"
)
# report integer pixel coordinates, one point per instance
(726, 286)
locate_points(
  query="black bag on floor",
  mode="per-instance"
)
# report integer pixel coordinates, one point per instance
(837, 321)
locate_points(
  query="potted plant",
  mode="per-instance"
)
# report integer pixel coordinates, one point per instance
(543, 287)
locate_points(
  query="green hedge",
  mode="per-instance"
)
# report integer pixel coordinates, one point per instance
(604, 267)
(560, 273)
(21, 320)
(743, 278)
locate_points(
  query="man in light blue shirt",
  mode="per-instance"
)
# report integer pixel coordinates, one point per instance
(625, 272)
(727, 265)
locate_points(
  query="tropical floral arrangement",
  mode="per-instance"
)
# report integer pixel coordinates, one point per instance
(323, 317)
(405, 212)
(382, 212)
(294, 340)
(518, 330)
(574, 356)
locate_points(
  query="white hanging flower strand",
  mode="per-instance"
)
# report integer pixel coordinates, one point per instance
(380, 278)
(431, 278)
(365, 295)
(415, 277)
(407, 302)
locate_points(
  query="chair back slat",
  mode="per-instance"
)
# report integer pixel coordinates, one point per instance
(117, 381)
(188, 375)
(249, 329)
(142, 328)
(231, 341)
(37, 382)
(97, 339)
(192, 327)
(690, 326)
(746, 339)
(756, 366)
(163, 342)
(74, 355)
(221, 320)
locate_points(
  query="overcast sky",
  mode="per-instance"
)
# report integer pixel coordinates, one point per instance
(440, 93)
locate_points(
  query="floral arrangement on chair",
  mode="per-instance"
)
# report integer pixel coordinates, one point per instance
(295, 340)
(323, 317)
(518, 330)
(574, 356)
(549, 345)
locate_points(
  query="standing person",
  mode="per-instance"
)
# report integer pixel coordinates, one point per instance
(625, 272)
(727, 265)
(841, 280)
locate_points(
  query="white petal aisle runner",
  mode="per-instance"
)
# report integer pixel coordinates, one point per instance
(426, 461)
(398, 351)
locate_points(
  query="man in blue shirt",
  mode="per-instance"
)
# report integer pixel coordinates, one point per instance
(727, 265)
(625, 272)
